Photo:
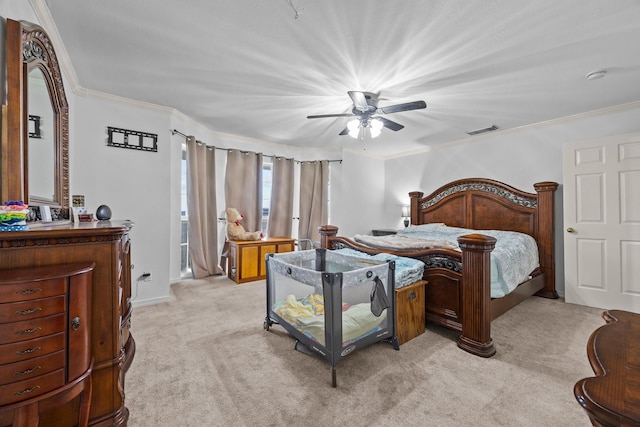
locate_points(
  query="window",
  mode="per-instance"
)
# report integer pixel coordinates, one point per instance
(267, 169)
(185, 264)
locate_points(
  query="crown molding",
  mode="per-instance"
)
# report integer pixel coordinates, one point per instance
(46, 21)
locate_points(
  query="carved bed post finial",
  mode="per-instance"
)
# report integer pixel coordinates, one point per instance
(475, 294)
(326, 231)
(415, 197)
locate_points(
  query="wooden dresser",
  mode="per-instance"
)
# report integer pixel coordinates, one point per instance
(247, 258)
(45, 340)
(107, 244)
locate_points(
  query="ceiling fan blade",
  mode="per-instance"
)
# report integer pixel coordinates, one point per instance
(320, 116)
(390, 124)
(345, 131)
(359, 100)
(416, 105)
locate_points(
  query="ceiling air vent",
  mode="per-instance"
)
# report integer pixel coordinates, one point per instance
(477, 131)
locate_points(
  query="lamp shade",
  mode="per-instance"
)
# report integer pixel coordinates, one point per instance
(354, 128)
(405, 211)
(376, 127)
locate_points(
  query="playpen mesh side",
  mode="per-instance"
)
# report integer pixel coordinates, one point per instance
(299, 295)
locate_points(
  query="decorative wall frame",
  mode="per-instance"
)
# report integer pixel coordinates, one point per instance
(136, 140)
(34, 126)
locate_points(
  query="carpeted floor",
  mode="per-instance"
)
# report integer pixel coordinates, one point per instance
(204, 359)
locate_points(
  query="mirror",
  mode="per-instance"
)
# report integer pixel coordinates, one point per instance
(41, 142)
(35, 159)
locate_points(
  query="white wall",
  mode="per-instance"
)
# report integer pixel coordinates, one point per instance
(136, 185)
(357, 195)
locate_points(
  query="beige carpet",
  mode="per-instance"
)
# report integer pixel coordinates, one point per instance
(204, 359)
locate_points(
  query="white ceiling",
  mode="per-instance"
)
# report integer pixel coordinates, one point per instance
(257, 68)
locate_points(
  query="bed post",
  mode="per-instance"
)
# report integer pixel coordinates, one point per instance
(546, 191)
(415, 196)
(475, 294)
(326, 231)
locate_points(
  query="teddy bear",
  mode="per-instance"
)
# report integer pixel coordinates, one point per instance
(235, 230)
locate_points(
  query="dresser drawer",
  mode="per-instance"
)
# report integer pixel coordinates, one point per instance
(33, 290)
(29, 329)
(25, 310)
(33, 387)
(24, 350)
(27, 369)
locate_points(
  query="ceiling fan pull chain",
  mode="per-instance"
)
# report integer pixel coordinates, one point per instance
(294, 9)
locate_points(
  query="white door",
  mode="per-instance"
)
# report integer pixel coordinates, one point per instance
(601, 180)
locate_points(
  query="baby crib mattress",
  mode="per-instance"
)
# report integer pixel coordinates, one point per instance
(307, 315)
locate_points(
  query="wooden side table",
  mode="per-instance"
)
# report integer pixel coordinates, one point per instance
(410, 313)
(612, 397)
(247, 258)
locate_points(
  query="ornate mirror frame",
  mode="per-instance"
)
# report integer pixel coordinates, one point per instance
(29, 46)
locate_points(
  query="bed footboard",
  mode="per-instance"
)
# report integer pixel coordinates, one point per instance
(458, 292)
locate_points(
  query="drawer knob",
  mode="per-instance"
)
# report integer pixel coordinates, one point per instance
(27, 391)
(412, 295)
(75, 323)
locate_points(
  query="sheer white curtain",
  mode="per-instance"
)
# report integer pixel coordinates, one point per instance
(201, 205)
(243, 187)
(281, 208)
(314, 198)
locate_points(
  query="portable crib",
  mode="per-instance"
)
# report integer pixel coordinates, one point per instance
(331, 303)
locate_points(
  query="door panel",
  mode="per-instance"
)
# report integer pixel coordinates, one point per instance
(602, 222)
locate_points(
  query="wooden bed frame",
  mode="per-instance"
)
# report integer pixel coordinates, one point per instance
(458, 292)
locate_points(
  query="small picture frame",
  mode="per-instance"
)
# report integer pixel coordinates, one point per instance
(77, 201)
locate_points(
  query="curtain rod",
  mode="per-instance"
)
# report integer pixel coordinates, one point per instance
(175, 131)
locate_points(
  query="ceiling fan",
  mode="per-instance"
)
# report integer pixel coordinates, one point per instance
(368, 114)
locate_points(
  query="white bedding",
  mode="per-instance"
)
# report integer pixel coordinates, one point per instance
(401, 242)
(513, 259)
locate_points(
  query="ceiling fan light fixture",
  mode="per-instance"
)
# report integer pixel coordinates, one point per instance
(376, 127)
(354, 128)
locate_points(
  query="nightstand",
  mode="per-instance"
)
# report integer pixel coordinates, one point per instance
(383, 232)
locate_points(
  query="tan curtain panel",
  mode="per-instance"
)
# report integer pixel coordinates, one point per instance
(243, 187)
(281, 208)
(202, 211)
(314, 198)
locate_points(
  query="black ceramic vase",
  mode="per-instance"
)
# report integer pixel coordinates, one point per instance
(103, 213)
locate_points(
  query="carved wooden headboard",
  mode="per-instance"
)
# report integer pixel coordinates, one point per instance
(485, 204)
